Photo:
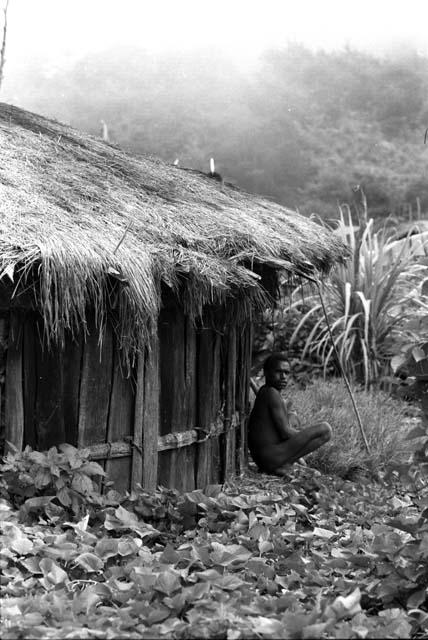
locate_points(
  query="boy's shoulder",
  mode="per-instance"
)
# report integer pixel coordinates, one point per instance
(267, 393)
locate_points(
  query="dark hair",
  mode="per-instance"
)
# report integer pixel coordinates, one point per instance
(272, 360)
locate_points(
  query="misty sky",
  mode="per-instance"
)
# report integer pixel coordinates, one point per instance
(70, 28)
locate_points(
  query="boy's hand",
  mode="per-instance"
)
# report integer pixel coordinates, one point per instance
(293, 419)
(288, 404)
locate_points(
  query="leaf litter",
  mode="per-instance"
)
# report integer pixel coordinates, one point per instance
(308, 556)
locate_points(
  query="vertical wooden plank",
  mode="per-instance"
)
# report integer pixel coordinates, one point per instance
(244, 426)
(244, 409)
(4, 337)
(151, 416)
(190, 371)
(29, 373)
(95, 388)
(72, 363)
(217, 409)
(49, 411)
(205, 369)
(172, 368)
(178, 393)
(14, 403)
(242, 389)
(137, 449)
(170, 391)
(120, 425)
(147, 418)
(230, 381)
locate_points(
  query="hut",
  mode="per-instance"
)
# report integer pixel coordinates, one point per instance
(127, 292)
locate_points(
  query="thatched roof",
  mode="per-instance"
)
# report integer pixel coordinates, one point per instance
(66, 199)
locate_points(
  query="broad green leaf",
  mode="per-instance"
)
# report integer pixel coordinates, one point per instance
(38, 502)
(169, 555)
(90, 562)
(159, 613)
(315, 630)
(344, 606)
(64, 497)
(32, 619)
(175, 603)
(128, 546)
(323, 533)
(38, 458)
(167, 582)
(82, 483)
(417, 598)
(228, 582)
(32, 564)
(53, 572)
(92, 469)
(268, 627)
(264, 546)
(107, 548)
(418, 354)
(42, 478)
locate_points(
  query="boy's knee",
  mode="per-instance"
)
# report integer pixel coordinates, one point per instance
(326, 431)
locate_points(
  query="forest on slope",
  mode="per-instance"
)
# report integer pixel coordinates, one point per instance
(301, 127)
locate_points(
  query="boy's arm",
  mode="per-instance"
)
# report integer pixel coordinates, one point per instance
(279, 414)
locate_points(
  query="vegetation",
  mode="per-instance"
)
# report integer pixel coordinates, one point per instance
(384, 419)
(317, 556)
(371, 303)
(303, 127)
(340, 549)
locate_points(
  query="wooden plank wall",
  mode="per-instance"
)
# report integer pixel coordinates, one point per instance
(193, 384)
(14, 404)
(76, 395)
(177, 339)
(208, 469)
(4, 337)
(244, 347)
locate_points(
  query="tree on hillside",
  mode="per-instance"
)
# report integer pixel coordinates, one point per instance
(3, 44)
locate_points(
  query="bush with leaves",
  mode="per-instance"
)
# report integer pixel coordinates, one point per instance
(371, 303)
(410, 558)
(53, 480)
(272, 332)
(413, 365)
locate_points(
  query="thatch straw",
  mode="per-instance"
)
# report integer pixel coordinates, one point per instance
(67, 198)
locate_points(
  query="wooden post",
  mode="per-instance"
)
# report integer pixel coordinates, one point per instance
(120, 425)
(137, 449)
(29, 374)
(206, 356)
(248, 342)
(14, 401)
(95, 386)
(230, 465)
(151, 416)
(146, 421)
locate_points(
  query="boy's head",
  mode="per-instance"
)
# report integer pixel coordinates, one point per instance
(276, 369)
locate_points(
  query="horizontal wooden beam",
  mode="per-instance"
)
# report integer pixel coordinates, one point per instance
(123, 448)
(177, 440)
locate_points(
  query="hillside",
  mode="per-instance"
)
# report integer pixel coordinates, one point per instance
(303, 128)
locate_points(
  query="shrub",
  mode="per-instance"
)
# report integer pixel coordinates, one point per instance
(371, 302)
(383, 417)
(50, 482)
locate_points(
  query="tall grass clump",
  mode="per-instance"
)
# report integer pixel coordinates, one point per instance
(384, 420)
(371, 302)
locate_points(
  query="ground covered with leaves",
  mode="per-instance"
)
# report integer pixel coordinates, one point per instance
(307, 556)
